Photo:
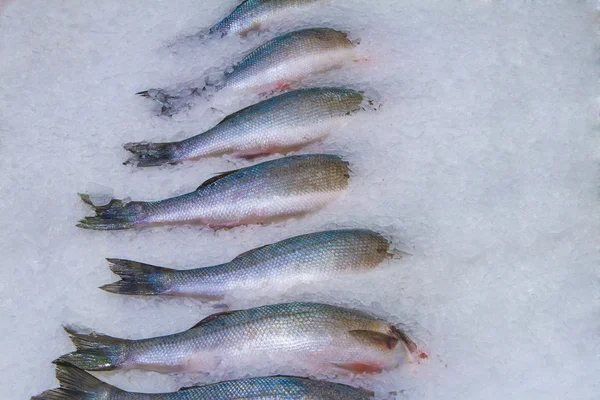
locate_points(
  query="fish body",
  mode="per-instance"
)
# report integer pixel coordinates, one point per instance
(278, 189)
(291, 58)
(277, 125)
(78, 384)
(272, 67)
(306, 258)
(313, 337)
(253, 15)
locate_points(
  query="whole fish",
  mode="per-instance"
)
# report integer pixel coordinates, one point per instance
(255, 15)
(287, 122)
(278, 189)
(78, 384)
(306, 258)
(313, 337)
(275, 65)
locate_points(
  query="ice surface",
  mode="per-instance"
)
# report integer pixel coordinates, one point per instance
(483, 161)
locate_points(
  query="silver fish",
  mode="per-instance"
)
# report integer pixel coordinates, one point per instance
(278, 189)
(78, 384)
(306, 337)
(275, 65)
(305, 258)
(287, 122)
(254, 15)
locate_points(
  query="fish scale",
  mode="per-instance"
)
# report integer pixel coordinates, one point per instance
(271, 68)
(284, 122)
(78, 384)
(278, 266)
(290, 58)
(273, 190)
(290, 336)
(252, 14)
(255, 192)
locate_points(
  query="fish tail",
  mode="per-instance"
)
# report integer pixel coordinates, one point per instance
(173, 101)
(95, 352)
(114, 215)
(151, 154)
(76, 384)
(138, 278)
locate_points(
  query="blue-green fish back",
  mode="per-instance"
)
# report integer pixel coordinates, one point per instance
(251, 15)
(76, 384)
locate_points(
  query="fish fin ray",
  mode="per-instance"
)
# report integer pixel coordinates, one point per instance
(95, 352)
(376, 338)
(212, 318)
(212, 180)
(76, 384)
(235, 114)
(137, 278)
(117, 214)
(147, 154)
(244, 254)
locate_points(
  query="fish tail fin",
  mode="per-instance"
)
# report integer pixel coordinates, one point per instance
(151, 154)
(76, 384)
(95, 352)
(138, 278)
(114, 215)
(144, 93)
(173, 101)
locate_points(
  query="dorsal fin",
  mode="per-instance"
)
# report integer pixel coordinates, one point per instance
(212, 318)
(250, 251)
(235, 114)
(216, 178)
(183, 389)
(376, 338)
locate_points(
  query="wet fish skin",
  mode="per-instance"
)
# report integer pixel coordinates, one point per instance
(308, 337)
(277, 125)
(252, 15)
(78, 384)
(291, 58)
(306, 258)
(272, 67)
(278, 189)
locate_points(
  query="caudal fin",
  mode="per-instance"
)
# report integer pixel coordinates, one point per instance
(172, 101)
(151, 154)
(76, 384)
(114, 215)
(138, 278)
(95, 352)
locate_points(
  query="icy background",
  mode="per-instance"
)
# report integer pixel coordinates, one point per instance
(483, 161)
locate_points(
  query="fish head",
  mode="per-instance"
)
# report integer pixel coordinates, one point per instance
(388, 341)
(374, 347)
(325, 39)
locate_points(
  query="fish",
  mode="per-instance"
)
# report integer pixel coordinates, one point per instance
(255, 15)
(75, 383)
(306, 258)
(270, 191)
(290, 337)
(272, 67)
(280, 124)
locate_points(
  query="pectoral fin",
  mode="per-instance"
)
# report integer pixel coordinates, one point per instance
(375, 338)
